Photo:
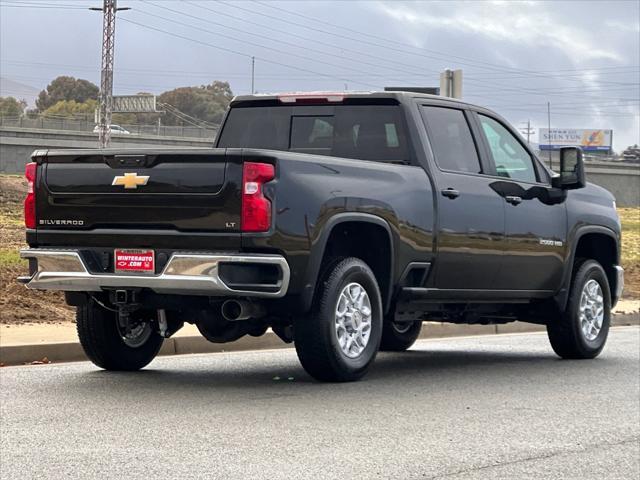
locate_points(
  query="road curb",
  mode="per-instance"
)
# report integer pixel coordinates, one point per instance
(72, 351)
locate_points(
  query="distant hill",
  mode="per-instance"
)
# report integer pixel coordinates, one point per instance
(21, 91)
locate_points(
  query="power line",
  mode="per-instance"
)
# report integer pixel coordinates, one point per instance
(246, 55)
(265, 60)
(218, 12)
(302, 37)
(502, 69)
(165, 72)
(468, 79)
(52, 7)
(595, 104)
(505, 91)
(447, 56)
(577, 71)
(421, 75)
(280, 51)
(566, 111)
(434, 56)
(182, 73)
(179, 114)
(585, 100)
(503, 87)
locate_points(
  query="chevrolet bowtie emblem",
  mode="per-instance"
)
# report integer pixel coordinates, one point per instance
(130, 180)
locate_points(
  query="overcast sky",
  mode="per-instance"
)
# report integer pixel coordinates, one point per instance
(582, 56)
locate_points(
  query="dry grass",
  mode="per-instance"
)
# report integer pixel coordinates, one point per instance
(17, 304)
(630, 219)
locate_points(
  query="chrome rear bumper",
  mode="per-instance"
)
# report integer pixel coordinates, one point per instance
(184, 273)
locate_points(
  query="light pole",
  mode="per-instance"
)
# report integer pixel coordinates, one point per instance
(253, 75)
(549, 127)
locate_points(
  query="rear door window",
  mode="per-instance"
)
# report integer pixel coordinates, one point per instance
(451, 140)
(367, 132)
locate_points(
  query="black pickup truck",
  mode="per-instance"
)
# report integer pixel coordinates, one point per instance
(340, 221)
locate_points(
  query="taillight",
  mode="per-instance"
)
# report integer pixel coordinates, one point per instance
(256, 208)
(30, 201)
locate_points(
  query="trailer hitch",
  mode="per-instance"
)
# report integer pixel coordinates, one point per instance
(126, 303)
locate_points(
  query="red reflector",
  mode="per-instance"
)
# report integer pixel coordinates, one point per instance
(30, 200)
(256, 208)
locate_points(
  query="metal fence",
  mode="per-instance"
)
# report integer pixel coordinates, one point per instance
(86, 125)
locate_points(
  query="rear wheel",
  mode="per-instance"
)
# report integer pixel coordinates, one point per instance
(108, 346)
(398, 337)
(339, 340)
(582, 330)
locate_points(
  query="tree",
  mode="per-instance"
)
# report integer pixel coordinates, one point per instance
(70, 108)
(11, 107)
(206, 102)
(66, 88)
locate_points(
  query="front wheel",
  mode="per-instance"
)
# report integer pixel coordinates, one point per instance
(581, 331)
(339, 340)
(108, 347)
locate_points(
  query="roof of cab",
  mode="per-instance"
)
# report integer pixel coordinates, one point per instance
(289, 97)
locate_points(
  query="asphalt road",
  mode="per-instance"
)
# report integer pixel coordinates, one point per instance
(466, 408)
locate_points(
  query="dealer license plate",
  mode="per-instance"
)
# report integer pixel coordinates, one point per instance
(134, 261)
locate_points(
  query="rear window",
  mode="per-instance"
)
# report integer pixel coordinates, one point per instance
(366, 132)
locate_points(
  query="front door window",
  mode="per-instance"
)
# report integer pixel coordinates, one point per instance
(510, 158)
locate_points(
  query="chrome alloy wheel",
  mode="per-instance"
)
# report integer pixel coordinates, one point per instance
(591, 310)
(353, 320)
(137, 336)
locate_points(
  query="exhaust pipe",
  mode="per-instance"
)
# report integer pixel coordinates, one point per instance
(234, 310)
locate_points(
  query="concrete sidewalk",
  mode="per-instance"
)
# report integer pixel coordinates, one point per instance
(23, 344)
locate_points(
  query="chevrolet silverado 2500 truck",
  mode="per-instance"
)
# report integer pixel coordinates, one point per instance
(340, 221)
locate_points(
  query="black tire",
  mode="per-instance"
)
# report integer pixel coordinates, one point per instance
(566, 334)
(398, 337)
(104, 346)
(315, 336)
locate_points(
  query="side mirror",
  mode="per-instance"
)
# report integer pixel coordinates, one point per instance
(571, 169)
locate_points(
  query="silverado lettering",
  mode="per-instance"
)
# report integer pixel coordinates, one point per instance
(61, 222)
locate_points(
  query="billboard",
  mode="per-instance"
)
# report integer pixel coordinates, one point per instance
(589, 140)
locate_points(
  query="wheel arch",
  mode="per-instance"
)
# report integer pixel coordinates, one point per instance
(597, 243)
(383, 269)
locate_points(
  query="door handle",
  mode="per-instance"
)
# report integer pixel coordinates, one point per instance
(513, 199)
(450, 193)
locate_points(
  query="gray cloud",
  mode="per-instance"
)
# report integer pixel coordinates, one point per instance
(582, 56)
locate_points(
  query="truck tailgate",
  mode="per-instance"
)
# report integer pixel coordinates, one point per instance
(161, 192)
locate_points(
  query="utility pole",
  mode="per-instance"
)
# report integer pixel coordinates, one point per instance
(109, 9)
(527, 131)
(253, 75)
(549, 132)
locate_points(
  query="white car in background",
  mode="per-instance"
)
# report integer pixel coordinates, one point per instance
(117, 129)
